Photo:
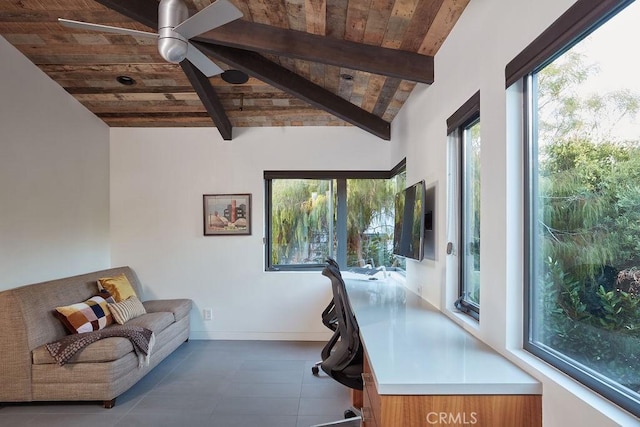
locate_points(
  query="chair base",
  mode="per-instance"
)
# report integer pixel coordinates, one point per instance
(348, 422)
(352, 418)
(351, 413)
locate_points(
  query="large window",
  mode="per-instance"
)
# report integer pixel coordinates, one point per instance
(302, 221)
(583, 200)
(348, 216)
(464, 136)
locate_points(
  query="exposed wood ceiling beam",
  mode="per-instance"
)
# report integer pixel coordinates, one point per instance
(258, 66)
(327, 50)
(143, 11)
(209, 99)
(263, 38)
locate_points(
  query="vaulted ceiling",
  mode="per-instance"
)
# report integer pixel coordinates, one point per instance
(309, 62)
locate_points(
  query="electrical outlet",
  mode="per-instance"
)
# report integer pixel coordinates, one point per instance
(207, 314)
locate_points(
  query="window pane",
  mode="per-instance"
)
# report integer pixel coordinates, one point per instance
(585, 208)
(398, 183)
(471, 213)
(302, 221)
(370, 222)
(350, 220)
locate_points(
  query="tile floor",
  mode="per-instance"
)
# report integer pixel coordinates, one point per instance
(211, 383)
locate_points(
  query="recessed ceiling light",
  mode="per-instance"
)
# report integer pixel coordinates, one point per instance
(235, 77)
(125, 80)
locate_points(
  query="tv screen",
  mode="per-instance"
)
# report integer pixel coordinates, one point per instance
(408, 237)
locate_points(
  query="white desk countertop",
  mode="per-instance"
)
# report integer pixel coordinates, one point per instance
(415, 349)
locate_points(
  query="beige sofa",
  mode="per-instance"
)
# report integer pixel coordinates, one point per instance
(101, 371)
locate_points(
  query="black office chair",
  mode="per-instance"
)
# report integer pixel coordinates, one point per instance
(342, 356)
(344, 361)
(330, 320)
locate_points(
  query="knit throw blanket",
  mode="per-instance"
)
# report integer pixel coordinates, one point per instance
(141, 338)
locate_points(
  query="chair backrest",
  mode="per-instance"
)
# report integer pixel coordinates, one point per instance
(350, 331)
(332, 262)
(347, 351)
(329, 316)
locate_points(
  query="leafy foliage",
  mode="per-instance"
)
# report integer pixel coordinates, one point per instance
(471, 230)
(300, 220)
(370, 205)
(587, 296)
(303, 220)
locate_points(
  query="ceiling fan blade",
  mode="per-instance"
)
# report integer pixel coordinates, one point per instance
(202, 62)
(215, 15)
(105, 28)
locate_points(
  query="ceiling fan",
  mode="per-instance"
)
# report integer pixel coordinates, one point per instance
(175, 28)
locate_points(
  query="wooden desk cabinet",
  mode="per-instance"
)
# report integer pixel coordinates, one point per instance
(421, 369)
(447, 410)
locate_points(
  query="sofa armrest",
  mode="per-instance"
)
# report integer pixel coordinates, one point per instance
(15, 369)
(179, 307)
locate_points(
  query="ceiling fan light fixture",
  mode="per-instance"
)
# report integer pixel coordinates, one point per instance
(125, 80)
(235, 77)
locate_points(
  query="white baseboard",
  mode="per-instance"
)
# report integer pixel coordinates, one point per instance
(260, 336)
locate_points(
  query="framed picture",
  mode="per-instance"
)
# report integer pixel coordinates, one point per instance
(227, 214)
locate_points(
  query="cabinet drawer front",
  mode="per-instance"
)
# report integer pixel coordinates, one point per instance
(461, 410)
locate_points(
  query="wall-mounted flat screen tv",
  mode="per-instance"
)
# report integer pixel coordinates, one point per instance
(408, 236)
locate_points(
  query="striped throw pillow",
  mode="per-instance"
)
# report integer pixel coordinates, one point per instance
(126, 310)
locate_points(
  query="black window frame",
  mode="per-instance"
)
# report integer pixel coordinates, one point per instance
(580, 20)
(459, 122)
(341, 176)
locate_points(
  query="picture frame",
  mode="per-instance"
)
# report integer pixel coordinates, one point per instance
(226, 214)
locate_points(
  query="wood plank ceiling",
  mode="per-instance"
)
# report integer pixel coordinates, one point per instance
(310, 62)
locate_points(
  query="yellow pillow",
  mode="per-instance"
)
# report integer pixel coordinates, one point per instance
(118, 286)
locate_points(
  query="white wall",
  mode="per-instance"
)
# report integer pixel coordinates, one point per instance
(158, 177)
(488, 35)
(54, 178)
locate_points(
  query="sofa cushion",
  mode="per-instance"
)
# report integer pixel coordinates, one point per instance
(155, 322)
(105, 350)
(125, 310)
(90, 315)
(179, 307)
(109, 349)
(118, 286)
